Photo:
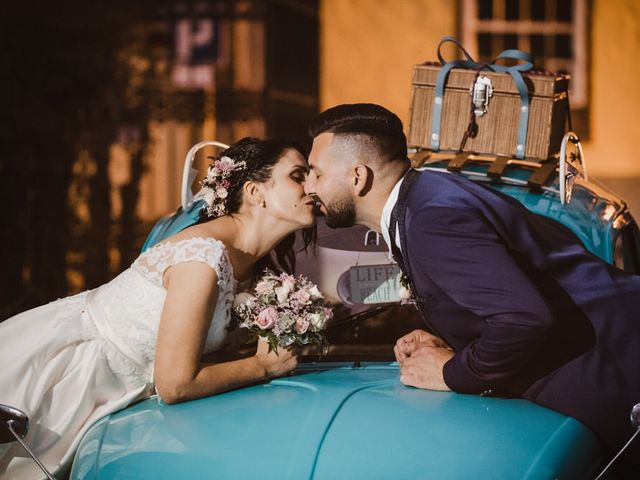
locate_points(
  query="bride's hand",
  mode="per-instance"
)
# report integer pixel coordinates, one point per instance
(275, 364)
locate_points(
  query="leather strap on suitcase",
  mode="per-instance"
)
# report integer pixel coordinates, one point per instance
(469, 63)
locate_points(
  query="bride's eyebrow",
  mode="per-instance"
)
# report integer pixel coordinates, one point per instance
(303, 168)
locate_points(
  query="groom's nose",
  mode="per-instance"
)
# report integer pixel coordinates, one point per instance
(310, 184)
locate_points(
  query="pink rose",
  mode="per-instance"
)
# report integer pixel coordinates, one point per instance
(212, 174)
(302, 325)
(302, 297)
(267, 318)
(225, 164)
(263, 287)
(288, 281)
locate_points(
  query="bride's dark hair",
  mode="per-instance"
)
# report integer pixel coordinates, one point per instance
(260, 156)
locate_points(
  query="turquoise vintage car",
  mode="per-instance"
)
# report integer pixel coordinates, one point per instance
(347, 416)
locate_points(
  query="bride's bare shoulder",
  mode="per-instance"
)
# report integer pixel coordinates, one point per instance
(210, 229)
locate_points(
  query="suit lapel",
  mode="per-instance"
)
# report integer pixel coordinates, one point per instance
(398, 216)
(398, 219)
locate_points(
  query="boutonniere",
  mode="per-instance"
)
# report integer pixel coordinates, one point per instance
(404, 291)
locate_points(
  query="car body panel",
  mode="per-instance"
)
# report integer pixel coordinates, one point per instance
(171, 224)
(346, 420)
(338, 421)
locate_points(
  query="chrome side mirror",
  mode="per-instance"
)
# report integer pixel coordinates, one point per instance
(14, 425)
(635, 421)
(635, 416)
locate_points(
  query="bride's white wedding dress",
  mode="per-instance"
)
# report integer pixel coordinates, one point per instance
(77, 359)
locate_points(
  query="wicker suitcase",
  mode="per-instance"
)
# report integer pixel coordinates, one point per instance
(497, 129)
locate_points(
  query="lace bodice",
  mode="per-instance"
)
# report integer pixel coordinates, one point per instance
(127, 310)
(154, 262)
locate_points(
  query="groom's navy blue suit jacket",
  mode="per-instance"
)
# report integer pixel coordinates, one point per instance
(527, 309)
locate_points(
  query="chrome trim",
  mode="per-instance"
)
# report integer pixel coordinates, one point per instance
(188, 173)
(569, 172)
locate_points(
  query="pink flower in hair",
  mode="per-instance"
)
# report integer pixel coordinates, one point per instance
(225, 164)
(217, 184)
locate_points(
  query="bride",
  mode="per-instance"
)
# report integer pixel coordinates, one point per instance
(77, 359)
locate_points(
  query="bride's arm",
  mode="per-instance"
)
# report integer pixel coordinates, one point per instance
(179, 375)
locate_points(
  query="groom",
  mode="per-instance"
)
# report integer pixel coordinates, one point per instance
(512, 302)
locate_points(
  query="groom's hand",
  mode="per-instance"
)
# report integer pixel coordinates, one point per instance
(411, 342)
(423, 369)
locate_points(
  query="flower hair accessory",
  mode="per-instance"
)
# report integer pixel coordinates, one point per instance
(284, 310)
(216, 185)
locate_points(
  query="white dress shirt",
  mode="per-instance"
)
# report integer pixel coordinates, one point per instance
(385, 219)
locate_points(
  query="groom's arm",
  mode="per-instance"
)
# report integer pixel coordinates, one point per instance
(464, 256)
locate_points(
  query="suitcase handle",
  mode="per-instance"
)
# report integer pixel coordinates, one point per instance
(526, 59)
(456, 42)
(515, 71)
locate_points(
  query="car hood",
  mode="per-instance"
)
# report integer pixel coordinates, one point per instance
(341, 422)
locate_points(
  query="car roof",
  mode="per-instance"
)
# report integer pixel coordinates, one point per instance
(594, 213)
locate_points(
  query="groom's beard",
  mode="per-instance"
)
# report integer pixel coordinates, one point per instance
(341, 213)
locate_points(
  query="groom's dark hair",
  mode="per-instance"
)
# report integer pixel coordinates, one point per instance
(379, 127)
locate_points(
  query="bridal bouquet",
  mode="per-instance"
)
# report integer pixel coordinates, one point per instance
(285, 310)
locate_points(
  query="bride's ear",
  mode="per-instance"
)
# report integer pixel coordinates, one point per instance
(253, 194)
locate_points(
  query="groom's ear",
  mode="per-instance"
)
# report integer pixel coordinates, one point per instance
(362, 179)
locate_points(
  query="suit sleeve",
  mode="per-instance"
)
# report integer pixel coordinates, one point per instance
(464, 256)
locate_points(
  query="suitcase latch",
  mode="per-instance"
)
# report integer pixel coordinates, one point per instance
(481, 92)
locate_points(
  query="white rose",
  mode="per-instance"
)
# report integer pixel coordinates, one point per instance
(221, 192)
(404, 293)
(208, 196)
(288, 280)
(212, 174)
(315, 293)
(242, 298)
(317, 321)
(282, 293)
(285, 323)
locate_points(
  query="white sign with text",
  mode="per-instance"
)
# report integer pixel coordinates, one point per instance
(374, 283)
